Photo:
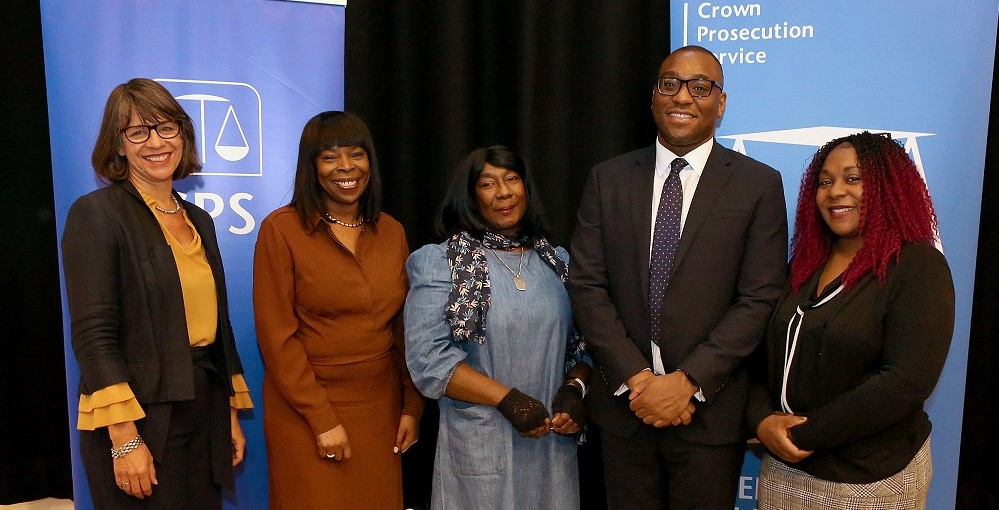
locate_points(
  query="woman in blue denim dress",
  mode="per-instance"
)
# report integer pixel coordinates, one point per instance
(490, 334)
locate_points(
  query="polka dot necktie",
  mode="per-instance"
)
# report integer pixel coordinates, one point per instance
(665, 241)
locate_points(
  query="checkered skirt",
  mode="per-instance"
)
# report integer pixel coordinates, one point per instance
(782, 487)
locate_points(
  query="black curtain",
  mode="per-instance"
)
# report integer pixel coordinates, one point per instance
(978, 470)
(34, 439)
(565, 84)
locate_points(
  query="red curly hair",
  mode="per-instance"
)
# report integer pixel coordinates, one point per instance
(895, 209)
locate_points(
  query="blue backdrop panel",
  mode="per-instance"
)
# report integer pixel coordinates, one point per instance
(250, 73)
(799, 74)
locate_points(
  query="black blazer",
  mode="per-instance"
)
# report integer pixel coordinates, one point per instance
(728, 273)
(125, 301)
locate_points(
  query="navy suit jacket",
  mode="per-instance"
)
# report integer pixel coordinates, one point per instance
(729, 269)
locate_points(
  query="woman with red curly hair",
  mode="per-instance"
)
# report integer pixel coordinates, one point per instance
(858, 341)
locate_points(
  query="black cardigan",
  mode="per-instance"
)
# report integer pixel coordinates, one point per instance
(865, 363)
(125, 300)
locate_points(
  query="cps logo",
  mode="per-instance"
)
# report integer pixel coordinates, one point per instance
(228, 124)
(229, 133)
(818, 135)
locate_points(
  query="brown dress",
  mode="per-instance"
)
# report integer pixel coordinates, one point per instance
(330, 333)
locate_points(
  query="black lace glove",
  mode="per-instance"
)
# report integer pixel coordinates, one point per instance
(569, 399)
(523, 412)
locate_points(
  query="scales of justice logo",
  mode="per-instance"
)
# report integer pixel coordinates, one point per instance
(228, 124)
(819, 135)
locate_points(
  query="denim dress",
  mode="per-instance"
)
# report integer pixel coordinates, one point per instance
(481, 460)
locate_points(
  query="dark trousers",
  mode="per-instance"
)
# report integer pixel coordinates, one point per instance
(656, 469)
(184, 472)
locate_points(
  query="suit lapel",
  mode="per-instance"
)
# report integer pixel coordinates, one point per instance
(716, 173)
(131, 189)
(640, 184)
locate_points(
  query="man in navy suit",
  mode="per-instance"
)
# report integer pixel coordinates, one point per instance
(669, 400)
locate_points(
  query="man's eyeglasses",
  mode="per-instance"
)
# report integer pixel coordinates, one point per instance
(138, 134)
(698, 87)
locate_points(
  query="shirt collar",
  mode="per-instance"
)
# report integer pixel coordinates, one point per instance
(696, 158)
(317, 220)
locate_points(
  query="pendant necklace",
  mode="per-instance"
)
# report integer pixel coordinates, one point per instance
(167, 211)
(518, 281)
(330, 219)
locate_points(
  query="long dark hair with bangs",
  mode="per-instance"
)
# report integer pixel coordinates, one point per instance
(326, 131)
(895, 208)
(460, 210)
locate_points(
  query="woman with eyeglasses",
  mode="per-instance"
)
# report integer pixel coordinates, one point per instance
(160, 378)
(856, 344)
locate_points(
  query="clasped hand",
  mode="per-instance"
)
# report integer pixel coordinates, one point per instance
(662, 400)
(568, 409)
(531, 419)
(775, 433)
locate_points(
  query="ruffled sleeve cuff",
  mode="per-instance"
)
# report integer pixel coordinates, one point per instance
(241, 400)
(107, 406)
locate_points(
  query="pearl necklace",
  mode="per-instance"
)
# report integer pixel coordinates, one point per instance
(330, 219)
(174, 211)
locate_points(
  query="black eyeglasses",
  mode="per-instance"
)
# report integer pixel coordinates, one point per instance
(137, 134)
(697, 87)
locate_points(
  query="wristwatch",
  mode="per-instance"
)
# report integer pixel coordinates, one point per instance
(689, 378)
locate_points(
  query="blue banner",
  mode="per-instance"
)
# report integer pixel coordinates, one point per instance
(250, 73)
(799, 74)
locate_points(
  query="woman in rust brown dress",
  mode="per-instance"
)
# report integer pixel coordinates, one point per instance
(329, 285)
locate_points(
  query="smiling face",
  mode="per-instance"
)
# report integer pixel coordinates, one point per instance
(683, 121)
(153, 162)
(343, 174)
(501, 198)
(840, 192)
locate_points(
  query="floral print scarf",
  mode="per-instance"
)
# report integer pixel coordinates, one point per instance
(470, 297)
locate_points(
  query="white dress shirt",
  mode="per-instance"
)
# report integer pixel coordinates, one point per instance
(690, 175)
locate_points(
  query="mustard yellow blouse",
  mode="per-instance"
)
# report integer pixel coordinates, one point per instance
(117, 403)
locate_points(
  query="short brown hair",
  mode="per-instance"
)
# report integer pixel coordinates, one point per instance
(152, 103)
